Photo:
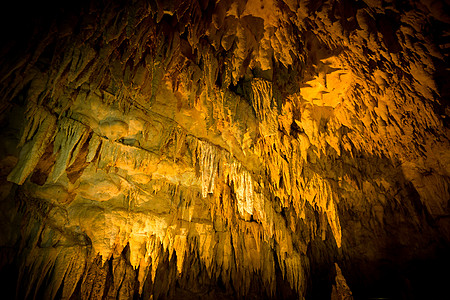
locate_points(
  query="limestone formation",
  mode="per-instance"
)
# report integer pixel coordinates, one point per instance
(225, 149)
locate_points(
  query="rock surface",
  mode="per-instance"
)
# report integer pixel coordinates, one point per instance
(225, 149)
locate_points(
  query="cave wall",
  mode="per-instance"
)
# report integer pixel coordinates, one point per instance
(225, 149)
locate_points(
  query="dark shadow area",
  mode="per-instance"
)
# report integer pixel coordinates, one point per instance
(8, 279)
(322, 269)
(195, 283)
(117, 278)
(402, 256)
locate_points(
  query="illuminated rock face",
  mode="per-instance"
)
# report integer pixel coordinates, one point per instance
(238, 149)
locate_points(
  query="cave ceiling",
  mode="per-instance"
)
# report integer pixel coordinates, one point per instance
(225, 149)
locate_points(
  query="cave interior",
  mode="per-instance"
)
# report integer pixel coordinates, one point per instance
(225, 149)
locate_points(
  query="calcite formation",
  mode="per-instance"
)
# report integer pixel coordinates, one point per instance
(228, 149)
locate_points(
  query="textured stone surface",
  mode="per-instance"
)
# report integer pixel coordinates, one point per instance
(229, 149)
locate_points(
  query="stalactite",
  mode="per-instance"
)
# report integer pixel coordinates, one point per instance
(243, 188)
(38, 133)
(209, 167)
(69, 138)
